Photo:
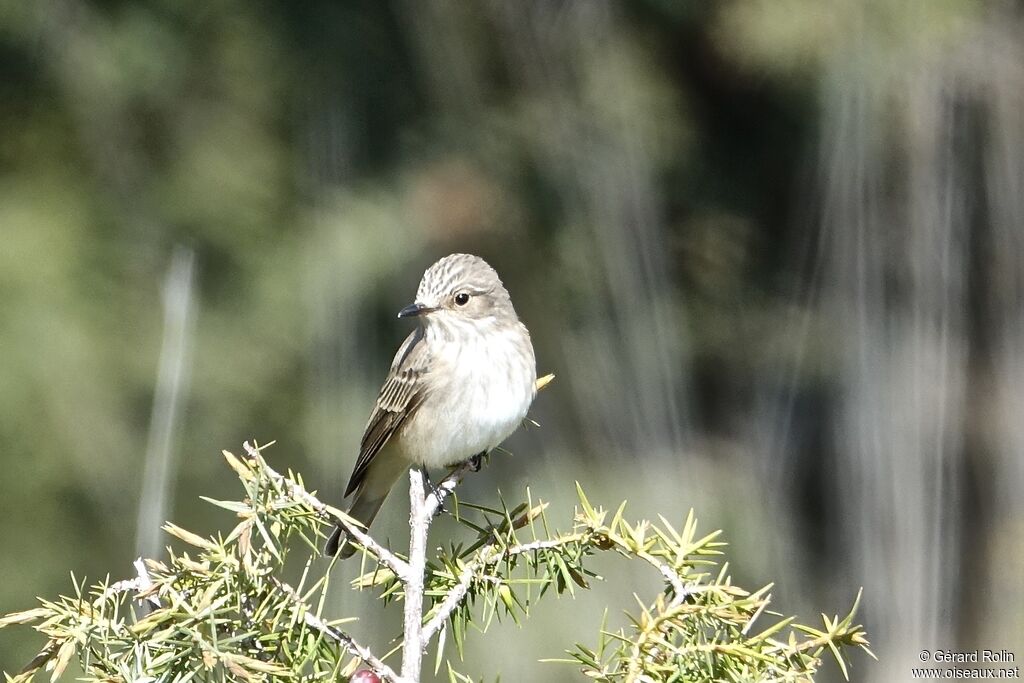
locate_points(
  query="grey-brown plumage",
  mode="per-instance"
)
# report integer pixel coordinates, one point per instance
(460, 383)
(399, 397)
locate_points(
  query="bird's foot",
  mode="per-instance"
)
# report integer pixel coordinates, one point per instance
(476, 462)
(431, 489)
(434, 491)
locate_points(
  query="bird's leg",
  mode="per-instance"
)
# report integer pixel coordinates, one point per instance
(431, 489)
(477, 461)
(434, 491)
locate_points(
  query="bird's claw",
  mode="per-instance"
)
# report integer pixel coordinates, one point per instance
(475, 463)
(434, 491)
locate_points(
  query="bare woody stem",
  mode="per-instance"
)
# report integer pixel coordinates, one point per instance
(422, 509)
(420, 516)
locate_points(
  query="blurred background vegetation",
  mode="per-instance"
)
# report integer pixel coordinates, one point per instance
(772, 250)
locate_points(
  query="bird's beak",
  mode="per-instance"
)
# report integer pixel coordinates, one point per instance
(415, 310)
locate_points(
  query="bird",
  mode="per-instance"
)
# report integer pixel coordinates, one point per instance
(459, 385)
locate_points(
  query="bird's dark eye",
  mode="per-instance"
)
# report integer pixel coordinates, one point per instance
(461, 299)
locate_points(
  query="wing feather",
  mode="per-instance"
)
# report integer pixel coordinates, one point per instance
(399, 398)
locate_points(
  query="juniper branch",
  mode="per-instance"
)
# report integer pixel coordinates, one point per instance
(343, 639)
(396, 564)
(488, 555)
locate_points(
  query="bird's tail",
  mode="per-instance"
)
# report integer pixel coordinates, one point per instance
(364, 509)
(379, 478)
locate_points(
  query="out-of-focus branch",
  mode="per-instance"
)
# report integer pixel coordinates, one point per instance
(170, 393)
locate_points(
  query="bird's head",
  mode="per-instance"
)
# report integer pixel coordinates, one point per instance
(461, 288)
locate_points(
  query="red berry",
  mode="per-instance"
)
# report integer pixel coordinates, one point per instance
(364, 676)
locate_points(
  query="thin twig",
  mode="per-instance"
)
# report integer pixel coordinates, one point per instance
(490, 554)
(142, 584)
(396, 564)
(451, 601)
(670, 575)
(145, 583)
(485, 557)
(347, 642)
(118, 587)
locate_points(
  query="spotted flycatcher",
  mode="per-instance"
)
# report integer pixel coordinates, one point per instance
(458, 386)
